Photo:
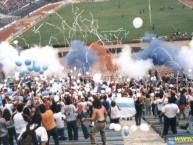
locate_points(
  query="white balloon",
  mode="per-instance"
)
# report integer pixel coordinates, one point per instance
(15, 42)
(137, 22)
(97, 77)
(144, 127)
(56, 98)
(125, 128)
(111, 126)
(133, 127)
(87, 89)
(117, 127)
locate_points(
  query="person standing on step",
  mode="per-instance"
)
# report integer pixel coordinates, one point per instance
(139, 109)
(100, 114)
(190, 120)
(170, 112)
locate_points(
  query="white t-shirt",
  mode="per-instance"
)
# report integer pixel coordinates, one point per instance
(40, 132)
(7, 106)
(160, 103)
(70, 112)
(19, 122)
(85, 105)
(59, 117)
(115, 113)
(170, 110)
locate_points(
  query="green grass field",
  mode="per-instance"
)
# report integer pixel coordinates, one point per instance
(109, 21)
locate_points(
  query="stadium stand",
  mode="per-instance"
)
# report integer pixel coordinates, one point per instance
(13, 10)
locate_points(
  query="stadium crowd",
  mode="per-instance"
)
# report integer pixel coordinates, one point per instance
(10, 5)
(53, 107)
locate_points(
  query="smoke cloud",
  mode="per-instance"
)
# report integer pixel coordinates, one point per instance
(80, 57)
(131, 67)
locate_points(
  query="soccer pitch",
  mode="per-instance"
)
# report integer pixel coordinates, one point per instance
(110, 21)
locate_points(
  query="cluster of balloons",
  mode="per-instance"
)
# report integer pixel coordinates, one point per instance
(31, 66)
(143, 127)
(116, 127)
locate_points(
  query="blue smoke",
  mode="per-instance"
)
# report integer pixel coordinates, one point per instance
(162, 53)
(80, 57)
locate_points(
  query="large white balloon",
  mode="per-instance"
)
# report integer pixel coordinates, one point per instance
(133, 127)
(117, 127)
(144, 127)
(137, 22)
(111, 126)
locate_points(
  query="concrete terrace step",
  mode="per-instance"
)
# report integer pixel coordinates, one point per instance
(113, 137)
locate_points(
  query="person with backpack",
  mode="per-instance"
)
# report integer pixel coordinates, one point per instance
(34, 133)
(10, 126)
(182, 103)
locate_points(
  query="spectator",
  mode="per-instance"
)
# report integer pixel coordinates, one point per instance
(170, 112)
(70, 112)
(10, 126)
(40, 131)
(59, 118)
(114, 112)
(99, 113)
(139, 110)
(147, 105)
(49, 123)
(190, 120)
(3, 130)
(18, 119)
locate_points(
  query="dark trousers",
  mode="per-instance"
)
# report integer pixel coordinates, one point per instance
(53, 132)
(116, 120)
(72, 126)
(84, 128)
(61, 133)
(169, 122)
(138, 119)
(12, 135)
(4, 140)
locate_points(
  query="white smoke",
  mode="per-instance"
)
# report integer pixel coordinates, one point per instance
(43, 56)
(185, 57)
(132, 67)
(8, 56)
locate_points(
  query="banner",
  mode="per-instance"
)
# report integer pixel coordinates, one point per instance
(127, 107)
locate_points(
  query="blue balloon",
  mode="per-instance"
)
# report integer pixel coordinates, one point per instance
(36, 68)
(22, 73)
(9, 92)
(45, 67)
(41, 71)
(18, 63)
(27, 72)
(28, 98)
(30, 68)
(126, 132)
(170, 143)
(45, 93)
(27, 62)
(21, 99)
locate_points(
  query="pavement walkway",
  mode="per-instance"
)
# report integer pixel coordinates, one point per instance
(139, 137)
